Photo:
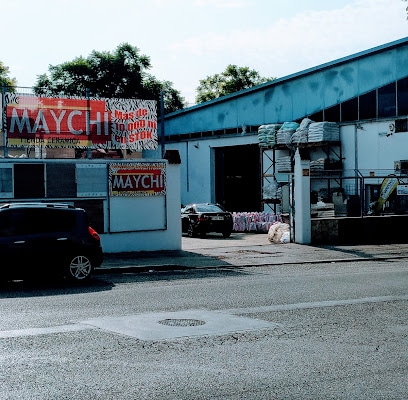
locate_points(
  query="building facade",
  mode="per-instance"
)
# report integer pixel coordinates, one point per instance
(222, 159)
(366, 94)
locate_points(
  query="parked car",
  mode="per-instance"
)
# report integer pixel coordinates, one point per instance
(203, 218)
(39, 240)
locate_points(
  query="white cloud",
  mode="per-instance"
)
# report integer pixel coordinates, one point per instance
(188, 40)
(222, 3)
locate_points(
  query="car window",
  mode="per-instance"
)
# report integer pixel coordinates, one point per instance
(8, 223)
(15, 222)
(208, 208)
(12, 223)
(49, 220)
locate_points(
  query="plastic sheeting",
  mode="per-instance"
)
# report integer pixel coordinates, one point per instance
(254, 221)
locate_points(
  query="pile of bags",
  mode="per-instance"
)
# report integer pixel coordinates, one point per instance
(301, 135)
(324, 132)
(285, 132)
(294, 133)
(279, 233)
(267, 135)
(284, 164)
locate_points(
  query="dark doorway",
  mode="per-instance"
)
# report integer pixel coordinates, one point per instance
(237, 178)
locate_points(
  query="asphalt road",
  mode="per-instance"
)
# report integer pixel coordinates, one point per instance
(311, 331)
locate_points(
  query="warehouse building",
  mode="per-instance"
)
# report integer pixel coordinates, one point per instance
(364, 94)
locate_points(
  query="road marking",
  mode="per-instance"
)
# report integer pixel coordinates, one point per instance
(316, 304)
(43, 331)
(149, 326)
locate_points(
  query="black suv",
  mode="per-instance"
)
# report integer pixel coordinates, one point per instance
(38, 240)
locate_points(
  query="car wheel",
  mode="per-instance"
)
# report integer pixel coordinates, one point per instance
(191, 232)
(226, 234)
(79, 268)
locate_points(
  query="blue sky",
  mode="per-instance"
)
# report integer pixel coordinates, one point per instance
(188, 40)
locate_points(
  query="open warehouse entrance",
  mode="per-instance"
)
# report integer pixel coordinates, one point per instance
(238, 177)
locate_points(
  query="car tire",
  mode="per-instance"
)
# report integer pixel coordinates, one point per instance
(191, 232)
(226, 234)
(79, 268)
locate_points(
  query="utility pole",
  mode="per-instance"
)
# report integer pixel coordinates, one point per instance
(162, 139)
(88, 122)
(3, 120)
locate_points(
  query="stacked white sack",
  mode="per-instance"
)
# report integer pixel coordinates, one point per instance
(267, 135)
(324, 132)
(302, 132)
(285, 132)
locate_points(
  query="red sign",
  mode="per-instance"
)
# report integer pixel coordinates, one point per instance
(141, 179)
(81, 122)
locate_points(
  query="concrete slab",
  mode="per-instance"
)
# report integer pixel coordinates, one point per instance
(170, 325)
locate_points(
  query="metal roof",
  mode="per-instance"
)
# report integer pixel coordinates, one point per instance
(297, 95)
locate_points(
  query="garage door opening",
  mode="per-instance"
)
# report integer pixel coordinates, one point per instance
(238, 178)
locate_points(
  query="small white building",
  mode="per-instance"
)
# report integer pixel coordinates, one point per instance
(131, 209)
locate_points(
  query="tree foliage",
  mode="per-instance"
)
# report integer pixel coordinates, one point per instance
(406, 9)
(118, 74)
(5, 80)
(232, 80)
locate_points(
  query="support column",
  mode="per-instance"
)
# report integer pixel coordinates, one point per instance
(303, 230)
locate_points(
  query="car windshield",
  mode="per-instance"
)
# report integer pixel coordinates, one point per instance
(208, 208)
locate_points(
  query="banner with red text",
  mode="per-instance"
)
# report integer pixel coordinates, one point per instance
(80, 122)
(137, 179)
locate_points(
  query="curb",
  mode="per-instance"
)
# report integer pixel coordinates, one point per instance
(179, 267)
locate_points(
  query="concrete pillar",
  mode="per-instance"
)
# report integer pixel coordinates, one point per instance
(303, 230)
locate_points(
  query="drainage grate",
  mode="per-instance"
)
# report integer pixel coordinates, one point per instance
(181, 322)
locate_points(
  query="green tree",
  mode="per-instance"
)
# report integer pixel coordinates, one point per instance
(232, 80)
(118, 74)
(5, 80)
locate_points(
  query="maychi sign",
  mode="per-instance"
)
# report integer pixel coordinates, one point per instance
(80, 122)
(137, 179)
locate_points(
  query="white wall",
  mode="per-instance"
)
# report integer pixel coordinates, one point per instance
(133, 223)
(377, 149)
(162, 239)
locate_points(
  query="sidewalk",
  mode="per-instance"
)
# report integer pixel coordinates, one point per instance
(241, 250)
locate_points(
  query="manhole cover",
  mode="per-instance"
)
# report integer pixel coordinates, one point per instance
(178, 324)
(181, 322)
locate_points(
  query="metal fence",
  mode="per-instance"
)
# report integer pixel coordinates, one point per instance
(359, 193)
